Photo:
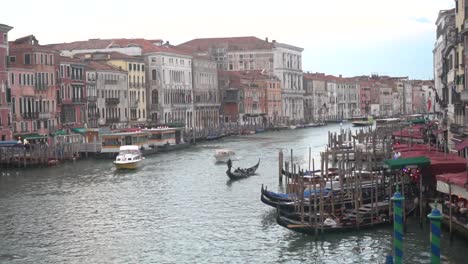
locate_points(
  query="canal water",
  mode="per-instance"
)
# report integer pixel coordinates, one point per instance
(181, 208)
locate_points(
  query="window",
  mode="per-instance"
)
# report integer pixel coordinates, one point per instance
(129, 66)
(138, 67)
(27, 59)
(153, 75)
(12, 59)
(12, 78)
(142, 67)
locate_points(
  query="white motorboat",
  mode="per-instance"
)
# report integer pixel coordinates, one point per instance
(223, 155)
(129, 157)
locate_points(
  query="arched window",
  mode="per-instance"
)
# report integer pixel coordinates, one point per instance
(154, 97)
(153, 75)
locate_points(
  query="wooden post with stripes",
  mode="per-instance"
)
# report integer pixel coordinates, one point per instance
(435, 217)
(397, 200)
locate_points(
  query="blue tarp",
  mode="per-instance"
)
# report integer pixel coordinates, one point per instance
(10, 143)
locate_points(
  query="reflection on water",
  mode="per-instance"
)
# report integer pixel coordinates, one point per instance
(179, 207)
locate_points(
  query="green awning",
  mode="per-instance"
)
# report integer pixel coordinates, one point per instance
(418, 121)
(80, 130)
(401, 163)
(58, 133)
(31, 136)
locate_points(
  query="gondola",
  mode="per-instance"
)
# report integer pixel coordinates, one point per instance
(241, 173)
(332, 223)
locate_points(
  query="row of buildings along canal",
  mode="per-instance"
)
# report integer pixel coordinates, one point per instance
(199, 84)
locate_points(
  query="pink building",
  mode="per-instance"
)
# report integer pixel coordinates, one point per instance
(365, 88)
(33, 81)
(5, 91)
(71, 94)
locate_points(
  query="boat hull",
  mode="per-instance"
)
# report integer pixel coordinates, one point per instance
(127, 166)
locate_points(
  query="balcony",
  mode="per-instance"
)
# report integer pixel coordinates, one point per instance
(30, 115)
(110, 81)
(154, 107)
(79, 100)
(134, 104)
(93, 115)
(112, 101)
(92, 98)
(112, 120)
(45, 115)
(40, 86)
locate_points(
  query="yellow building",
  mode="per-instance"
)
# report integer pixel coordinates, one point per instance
(136, 84)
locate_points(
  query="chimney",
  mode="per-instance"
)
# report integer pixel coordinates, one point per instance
(266, 39)
(341, 76)
(273, 41)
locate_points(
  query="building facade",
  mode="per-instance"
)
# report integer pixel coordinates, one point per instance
(71, 94)
(112, 94)
(206, 97)
(170, 88)
(33, 81)
(5, 88)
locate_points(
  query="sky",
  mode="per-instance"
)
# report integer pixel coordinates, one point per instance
(347, 37)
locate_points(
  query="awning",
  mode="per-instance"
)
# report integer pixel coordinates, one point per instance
(79, 130)
(58, 133)
(31, 136)
(418, 121)
(461, 145)
(402, 163)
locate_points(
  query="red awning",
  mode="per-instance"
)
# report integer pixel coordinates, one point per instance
(461, 145)
(460, 178)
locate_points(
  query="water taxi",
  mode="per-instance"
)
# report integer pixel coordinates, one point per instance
(129, 157)
(223, 155)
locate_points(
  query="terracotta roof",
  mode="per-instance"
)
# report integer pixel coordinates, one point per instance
(70, 60)
(101, 66)
(234, 43)
(145, 45)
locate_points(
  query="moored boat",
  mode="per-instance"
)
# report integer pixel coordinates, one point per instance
(129, 157)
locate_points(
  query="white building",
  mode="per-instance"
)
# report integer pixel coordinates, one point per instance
(170, 87)
(206, 98)
(112, 94)
(288, 68)
(251, 53)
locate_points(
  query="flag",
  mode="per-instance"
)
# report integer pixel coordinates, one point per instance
(429, 104)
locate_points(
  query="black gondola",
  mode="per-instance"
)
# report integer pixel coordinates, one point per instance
(241, 173)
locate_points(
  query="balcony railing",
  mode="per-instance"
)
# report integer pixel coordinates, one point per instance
(134, 104)
(113, 120)
(79, 100)
(93, 115)
(110, 81)
(40, 86)
(30, 115)
(45, 115)
(112, 101)
(92, 98)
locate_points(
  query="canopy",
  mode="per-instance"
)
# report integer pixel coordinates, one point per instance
(460, 178)
(32, 136)
(10, 143)
(461, 145)
(404, 162)
(58, 133)
(418, 121)
(79, 130)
